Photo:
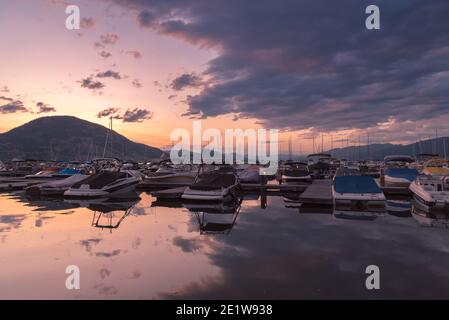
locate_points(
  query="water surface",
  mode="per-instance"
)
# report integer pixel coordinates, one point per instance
(141, 250)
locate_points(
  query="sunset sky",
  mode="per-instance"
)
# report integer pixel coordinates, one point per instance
(305, 67)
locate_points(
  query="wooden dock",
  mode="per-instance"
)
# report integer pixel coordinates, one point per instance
(319, 192)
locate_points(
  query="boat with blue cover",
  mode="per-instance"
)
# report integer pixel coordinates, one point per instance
(352, 191)
(67, 172)
(400, 177)
(397, 173)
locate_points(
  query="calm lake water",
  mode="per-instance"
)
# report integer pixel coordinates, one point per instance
(139, 250)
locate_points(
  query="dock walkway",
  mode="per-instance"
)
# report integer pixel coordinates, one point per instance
(319, 192)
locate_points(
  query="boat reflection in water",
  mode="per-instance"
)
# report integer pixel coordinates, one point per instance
(398, 206)
(109, 213)
(216, 218)
(357, 215)
(427, 219)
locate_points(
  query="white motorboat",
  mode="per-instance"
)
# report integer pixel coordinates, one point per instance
(55, 188)
(218, 185)
(400, 177)
(431, 193)
(296, 172)
(355, 192)
(397, 173)
(105, 184)
(172, 175)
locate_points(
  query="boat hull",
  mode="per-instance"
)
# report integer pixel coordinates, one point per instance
(360, 202)
(426, 202)
(225, 194)
(115, 191)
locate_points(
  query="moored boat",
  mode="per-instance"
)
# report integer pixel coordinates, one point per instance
(168, 174)
(55, 188)
(319, 165)
(436, 167)
(431, 193)
(105, 184)
(296, 172)
(397, 174)
(357, 192)
(217, 185)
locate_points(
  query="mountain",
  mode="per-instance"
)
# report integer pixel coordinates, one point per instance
(379, 151)
(69, 138)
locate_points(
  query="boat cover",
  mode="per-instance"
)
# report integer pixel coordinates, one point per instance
(355, 184)
(213, 181)
(403, 173)
(69, 172)
(100, 180)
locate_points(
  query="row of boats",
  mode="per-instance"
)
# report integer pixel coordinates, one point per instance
(361, 186)
(110, 178)
(355, 185)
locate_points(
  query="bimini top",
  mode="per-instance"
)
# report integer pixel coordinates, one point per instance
(355, 184)
(404, 173)
(407, 159)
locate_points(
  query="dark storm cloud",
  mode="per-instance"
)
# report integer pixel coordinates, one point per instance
(304, 63)
(136, 115)
(108, 112)
(146, 18)
(44, 108)
(13, 107)
(130, 115)
(186, 80)
(109, 74)
(91, 84)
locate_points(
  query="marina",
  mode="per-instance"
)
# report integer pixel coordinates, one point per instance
(209, 152)
(159, 230)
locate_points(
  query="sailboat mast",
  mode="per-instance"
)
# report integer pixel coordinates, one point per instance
(111, 136)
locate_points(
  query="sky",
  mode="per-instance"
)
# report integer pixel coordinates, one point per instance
(308, 68)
